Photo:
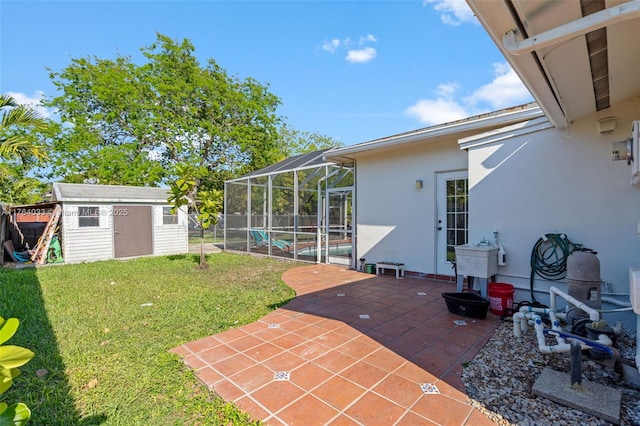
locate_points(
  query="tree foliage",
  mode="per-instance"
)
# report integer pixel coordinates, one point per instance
(128, 123)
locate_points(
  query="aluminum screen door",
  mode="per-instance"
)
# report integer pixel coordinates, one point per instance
(452, 220)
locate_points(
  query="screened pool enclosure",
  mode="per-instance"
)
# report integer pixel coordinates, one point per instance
(300, 208)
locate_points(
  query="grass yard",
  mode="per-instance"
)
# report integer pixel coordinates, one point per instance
(101, 333)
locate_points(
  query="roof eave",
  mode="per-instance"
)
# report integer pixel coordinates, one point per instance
(450, 129)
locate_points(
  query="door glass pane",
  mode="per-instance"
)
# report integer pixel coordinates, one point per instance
(457, 215)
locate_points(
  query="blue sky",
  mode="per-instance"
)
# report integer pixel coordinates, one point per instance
(352, 70)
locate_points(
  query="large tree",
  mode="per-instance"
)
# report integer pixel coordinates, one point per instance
(168, 120)
(132, 123)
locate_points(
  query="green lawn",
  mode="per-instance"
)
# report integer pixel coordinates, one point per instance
(102, 331)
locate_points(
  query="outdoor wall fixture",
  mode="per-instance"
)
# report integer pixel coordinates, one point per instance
(607, 125)
(419, 184)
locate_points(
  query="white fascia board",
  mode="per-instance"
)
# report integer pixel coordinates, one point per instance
(508, 132)
(473, 123)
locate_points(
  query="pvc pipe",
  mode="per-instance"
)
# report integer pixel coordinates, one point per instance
(594, 315)
(616, 302)
(573, 29)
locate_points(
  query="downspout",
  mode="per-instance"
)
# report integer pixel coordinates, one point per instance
(570, 30)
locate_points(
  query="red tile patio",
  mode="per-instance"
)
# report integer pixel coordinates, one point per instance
(350, 349)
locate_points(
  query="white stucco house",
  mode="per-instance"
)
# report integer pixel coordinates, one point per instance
(101, 222)
(556, 166)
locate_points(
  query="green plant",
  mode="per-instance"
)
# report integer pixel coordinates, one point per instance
(11, 357)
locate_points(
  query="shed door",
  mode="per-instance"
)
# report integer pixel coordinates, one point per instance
(132, 231)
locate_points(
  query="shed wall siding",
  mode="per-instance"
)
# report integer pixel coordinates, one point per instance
(395, 220)
(96, 243)
(86, 244)
(170, 239)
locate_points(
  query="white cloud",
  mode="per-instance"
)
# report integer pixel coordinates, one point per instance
(368, 38)
(452, 12)
(505, 90)
(361, 55)
(443, 109)
(357, 51)
(331, 46)
(34, 102)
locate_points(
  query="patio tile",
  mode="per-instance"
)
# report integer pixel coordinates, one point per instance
(285, 361)
(356, 348)
(209, 376)
(335, 361)
(228, 390)
(372, 409)
(277, 395)
(234, 364)
(310, 331)
(249, 405)
(331, 340)
(232, 334)
(344, 420)
(217, 354)
(181, 351)
(402, 391)
(339, 392)
(310, 350)
(384, 359)
(442, 409)
(263, 351)
(194, 362)
(411, 419)
(299, 412)
(309, 376)
(288, 340)
(252, 378)
(245, 342)
(364, 374)
(201, 344)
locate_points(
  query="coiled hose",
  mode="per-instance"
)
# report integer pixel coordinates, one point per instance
(549, 258)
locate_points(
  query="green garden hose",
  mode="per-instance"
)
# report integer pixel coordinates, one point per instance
(549, 258)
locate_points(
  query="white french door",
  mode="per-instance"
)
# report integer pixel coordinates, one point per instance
(452, 217)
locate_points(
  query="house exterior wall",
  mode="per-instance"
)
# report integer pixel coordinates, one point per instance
(96, 243)
(554, 181)
(395, 220)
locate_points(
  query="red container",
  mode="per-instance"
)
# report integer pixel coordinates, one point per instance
(500, 297)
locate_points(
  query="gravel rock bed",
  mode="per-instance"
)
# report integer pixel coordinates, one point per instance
(500, 378)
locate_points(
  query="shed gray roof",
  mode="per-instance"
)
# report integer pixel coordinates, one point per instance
(78, 192)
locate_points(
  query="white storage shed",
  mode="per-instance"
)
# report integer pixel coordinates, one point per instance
(100, 222)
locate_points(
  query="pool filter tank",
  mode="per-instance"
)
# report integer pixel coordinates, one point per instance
(583, 278)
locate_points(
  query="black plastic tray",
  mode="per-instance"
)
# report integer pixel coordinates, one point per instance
(467, 304)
